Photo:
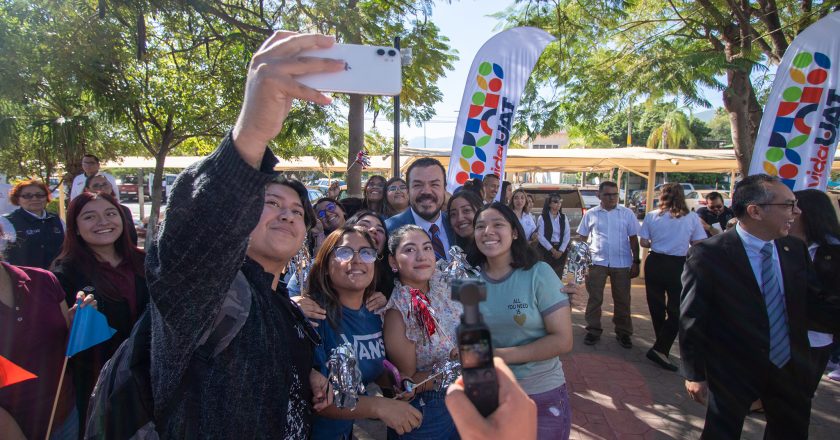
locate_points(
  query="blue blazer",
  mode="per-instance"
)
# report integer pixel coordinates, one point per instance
(407, 218)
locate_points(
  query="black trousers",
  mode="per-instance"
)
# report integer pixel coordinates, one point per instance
(558, 264)
(664, 286)
(787, 407)
(819, 360)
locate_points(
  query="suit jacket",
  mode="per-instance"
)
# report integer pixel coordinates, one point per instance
(827, 268)
(724, 328)
(407, 218)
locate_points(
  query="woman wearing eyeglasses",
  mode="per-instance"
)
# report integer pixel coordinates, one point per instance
(420, 326)
(331, 216)
(396, 197)
(375, 195)
(341, 281)
(33, 235)
(553, 233)
(99, 184)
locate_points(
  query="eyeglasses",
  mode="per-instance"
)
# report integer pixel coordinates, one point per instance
(31, 196)
(346, 253)
(790, 205)
(395, 188)
(609, 194)
(330, 208)
(98, 186)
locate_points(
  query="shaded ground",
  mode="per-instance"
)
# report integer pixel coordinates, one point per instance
(619, 394)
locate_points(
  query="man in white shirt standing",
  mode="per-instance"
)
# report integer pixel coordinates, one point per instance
(90, 166)
(615, 253)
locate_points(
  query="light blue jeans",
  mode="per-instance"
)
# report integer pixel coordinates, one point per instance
(554, 415)
(437, 423)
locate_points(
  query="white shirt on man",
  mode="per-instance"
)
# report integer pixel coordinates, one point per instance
(609, 233)
(669, 235)
(78, 186)
(425, 224)
(555, 232)
(753, 246)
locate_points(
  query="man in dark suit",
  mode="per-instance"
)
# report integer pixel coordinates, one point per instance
(426, 193)
(744, 319)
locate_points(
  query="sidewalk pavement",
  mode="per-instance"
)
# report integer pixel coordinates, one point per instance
(617, 393)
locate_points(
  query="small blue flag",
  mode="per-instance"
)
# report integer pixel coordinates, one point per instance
(89, 328)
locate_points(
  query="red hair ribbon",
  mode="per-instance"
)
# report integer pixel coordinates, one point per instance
(422, 313)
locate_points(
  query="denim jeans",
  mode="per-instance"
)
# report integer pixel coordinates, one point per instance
(437, 423)
(554, 415)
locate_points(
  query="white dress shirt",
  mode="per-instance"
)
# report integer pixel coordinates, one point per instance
(425, 224)
(555, 232)
(78, 186)
(669, 235)
(527, 222)
(753, 246)
(609, 233)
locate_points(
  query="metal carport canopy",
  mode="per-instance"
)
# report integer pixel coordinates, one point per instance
(637, 160)
(303, 163)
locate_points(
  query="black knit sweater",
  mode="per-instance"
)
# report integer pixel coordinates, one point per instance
(258, 387)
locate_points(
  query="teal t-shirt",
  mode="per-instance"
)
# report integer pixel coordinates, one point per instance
(514, 311)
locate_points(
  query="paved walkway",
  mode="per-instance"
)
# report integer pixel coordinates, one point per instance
(618, 393)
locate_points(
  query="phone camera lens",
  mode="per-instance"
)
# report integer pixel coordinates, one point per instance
(392, 52)
(380, 52)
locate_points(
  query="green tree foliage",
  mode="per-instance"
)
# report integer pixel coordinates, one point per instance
(612, 52)
(675, 132)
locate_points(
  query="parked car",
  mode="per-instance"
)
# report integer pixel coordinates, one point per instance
(573, 204)
(687, 187)
(590, 197)
(168, 182)
(314, 194)
(128, 188)
(697, 199)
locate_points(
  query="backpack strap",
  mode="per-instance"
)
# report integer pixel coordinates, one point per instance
(232, 316)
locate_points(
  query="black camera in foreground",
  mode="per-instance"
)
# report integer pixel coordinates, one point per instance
(475, 347)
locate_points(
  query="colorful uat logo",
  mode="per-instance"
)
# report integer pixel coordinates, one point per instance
(795, 120)
(478, 132)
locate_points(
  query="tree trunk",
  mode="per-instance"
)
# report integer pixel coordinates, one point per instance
(738, 99)
(356, 141)
(157, 188)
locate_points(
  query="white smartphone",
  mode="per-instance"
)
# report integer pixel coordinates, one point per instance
(369, 70)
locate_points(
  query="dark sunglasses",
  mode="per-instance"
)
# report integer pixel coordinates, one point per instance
(33, 196)
(346, 253)
(323, 213)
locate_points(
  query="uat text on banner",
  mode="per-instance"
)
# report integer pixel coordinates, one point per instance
(798, 134)
(495, 82)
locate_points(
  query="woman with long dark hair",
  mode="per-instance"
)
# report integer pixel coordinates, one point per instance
(421, 321)
(396, 198)
(33, 235)
(553, 233)
(98, 252)
(375, 195)
(461, 209)
(342, 281)
(375, 227)
(818, 227)
(98, 183)
(668, 232)
(528, 313)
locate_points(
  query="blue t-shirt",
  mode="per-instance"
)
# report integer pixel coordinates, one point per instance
(363, 329)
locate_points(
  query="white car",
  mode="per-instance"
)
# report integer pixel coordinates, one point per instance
(697, 199)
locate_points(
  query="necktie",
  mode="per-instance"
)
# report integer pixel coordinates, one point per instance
(775, 302)
(437, 245)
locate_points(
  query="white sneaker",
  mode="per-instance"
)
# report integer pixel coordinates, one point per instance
(834, 375)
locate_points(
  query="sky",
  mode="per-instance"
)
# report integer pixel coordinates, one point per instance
(468, 25)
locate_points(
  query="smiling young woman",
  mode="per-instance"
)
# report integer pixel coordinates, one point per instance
(342, 281)
(528, 313)
(421, 320)
(98, 252)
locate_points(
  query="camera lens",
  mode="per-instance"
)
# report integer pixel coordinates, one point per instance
(392, 52)
(380, 52)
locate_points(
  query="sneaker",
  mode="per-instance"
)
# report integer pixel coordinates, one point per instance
(834, 375)
(661, 360)
(624, 341)
(591, 339)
